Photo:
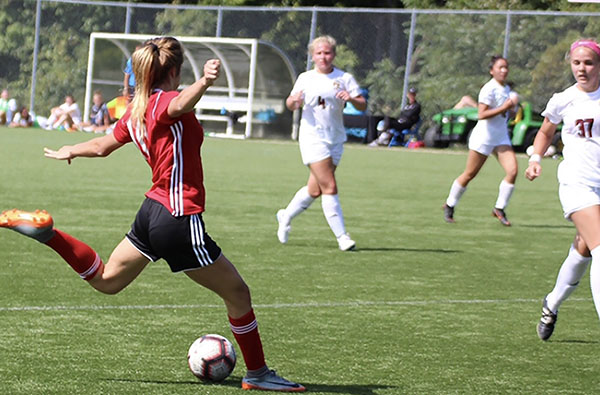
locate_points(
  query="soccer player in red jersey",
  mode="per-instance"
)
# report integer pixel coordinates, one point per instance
(160, 121)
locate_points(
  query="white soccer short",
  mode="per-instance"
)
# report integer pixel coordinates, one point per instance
(575, 197)
(314, 151)
(486, 149)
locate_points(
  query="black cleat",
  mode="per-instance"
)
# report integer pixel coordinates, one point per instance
(448, 213)
(546, 325)
(501, 215)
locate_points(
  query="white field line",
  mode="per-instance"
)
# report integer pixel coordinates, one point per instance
(316, 305)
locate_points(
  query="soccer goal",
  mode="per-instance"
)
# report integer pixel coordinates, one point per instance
(248, 99)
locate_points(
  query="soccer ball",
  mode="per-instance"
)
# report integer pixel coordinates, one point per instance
(211, 358)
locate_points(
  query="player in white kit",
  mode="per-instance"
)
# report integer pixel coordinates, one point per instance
(578, 107)
(321, 93)
(490, 136)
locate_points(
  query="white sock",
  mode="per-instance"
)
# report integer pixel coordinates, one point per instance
(505, 191)
(333, 214)
(595, 278)
(50, 121)
(456, 191)
(300, 202)
(571, 271)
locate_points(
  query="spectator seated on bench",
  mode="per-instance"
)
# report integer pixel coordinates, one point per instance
(409, 117)
(404, 137)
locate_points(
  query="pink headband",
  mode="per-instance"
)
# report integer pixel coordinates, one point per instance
(586, 43)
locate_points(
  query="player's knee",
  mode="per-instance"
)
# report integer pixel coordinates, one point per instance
(242, 292)
(511, 175)
(314, 191)
(581, 247)
(238, 297)
(466, 178)
(329, 188)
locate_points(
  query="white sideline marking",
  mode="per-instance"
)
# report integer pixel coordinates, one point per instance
(280, 305)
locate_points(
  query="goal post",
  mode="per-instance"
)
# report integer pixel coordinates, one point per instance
(248, 100)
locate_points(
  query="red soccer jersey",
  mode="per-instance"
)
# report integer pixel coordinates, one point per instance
(172, 149)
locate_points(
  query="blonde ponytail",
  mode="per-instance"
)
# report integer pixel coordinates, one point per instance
(151, 65)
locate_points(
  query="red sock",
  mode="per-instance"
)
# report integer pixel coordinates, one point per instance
(245, 330)
(81, 257)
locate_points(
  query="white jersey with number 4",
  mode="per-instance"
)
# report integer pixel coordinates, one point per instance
(580, 113)
(492, 131)
(322, 118)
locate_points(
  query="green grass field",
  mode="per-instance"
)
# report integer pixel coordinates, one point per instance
(422, 307)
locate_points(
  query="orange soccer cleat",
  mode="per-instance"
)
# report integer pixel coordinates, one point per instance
(37, 225)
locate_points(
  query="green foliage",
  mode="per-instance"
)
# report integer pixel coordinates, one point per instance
(449, 58)
(186, 23)
(16, 47)
(537, 5)
(284, 33)
(345, 58)
(385, 83)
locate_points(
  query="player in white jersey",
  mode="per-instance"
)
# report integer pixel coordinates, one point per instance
(490, 135)
(578, 107)
(321, 93)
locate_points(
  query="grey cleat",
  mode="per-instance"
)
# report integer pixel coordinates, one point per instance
(546, 325)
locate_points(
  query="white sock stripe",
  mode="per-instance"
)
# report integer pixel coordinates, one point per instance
(240, 330)
(93, 268)
(197, 236)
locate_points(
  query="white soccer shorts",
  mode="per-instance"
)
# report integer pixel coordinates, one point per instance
(314, 151)
(575, 197)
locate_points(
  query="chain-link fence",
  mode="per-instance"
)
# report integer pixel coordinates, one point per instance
(443, 53)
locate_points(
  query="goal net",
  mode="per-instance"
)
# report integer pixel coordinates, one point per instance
(248, 99)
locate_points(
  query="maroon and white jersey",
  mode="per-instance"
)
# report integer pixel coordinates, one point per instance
(580, 113)
(171, 147)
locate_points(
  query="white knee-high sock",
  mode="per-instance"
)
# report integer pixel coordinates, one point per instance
(300, 202)
(333, 213)
(456, 191)
(505, 191)
(595, 278)
(569, 275)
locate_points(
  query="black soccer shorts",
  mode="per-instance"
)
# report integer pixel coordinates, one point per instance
(181, 241)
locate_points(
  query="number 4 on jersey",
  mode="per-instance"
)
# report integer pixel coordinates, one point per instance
(321, 102)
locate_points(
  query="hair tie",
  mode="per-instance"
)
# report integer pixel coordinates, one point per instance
(586, 43)
(154, 47)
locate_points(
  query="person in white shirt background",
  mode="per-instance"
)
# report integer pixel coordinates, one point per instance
(578, 108)
(490, 136)
(321, 93)
(66, 115)
(8, 107)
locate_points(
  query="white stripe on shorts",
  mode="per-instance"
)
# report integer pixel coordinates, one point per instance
(197, 236)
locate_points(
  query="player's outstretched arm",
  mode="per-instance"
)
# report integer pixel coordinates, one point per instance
(187, 98)
(98, 147)
(542, 141)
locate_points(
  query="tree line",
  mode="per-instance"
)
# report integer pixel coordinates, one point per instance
(448, 60)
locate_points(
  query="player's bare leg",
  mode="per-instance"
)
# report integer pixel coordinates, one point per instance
(223, 278)
(508, 160)
(123, 266)
(587, 222)
(475, 161)
(571, 271)
(322, 181)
